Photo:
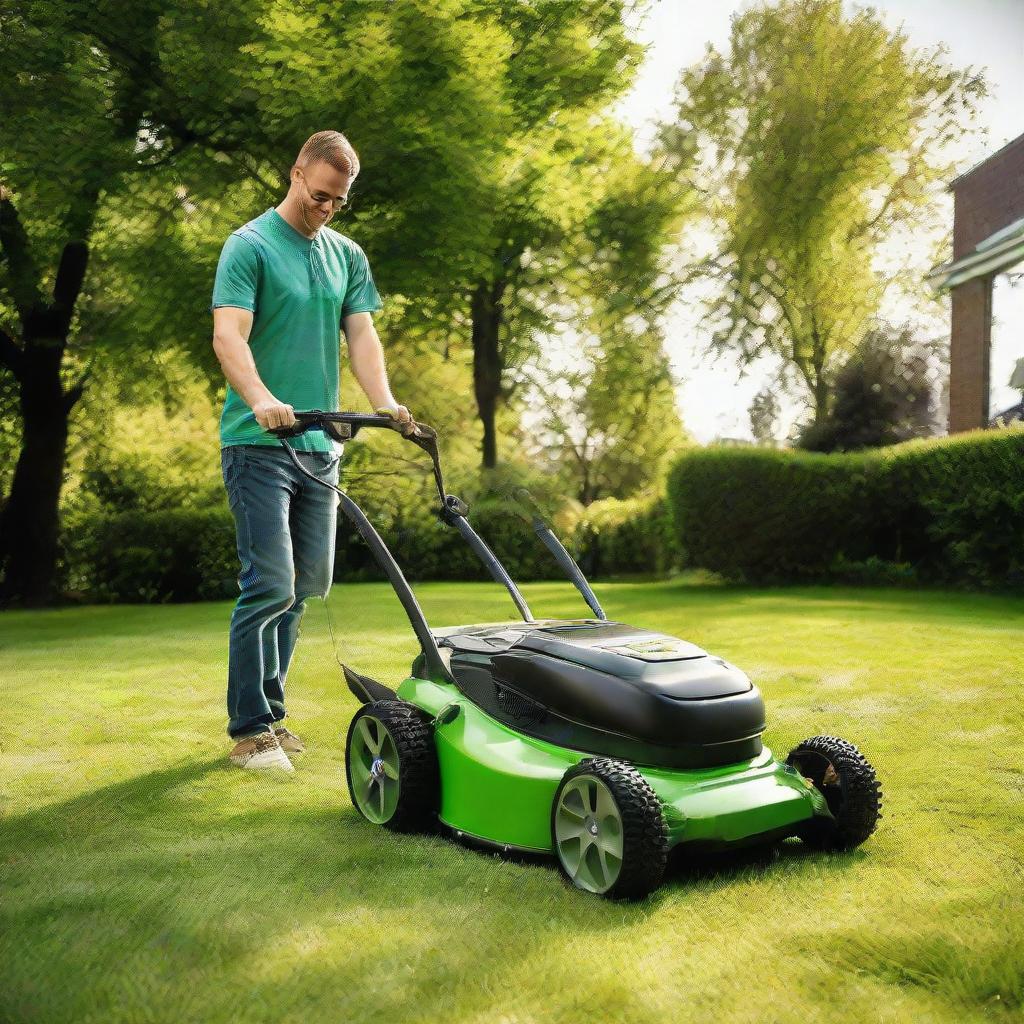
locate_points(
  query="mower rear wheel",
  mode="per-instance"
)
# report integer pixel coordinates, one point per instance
(850, 787)
(607, 829)
(391, 765)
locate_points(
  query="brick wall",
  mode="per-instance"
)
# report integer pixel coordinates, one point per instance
(969, 355)
(988, 197)
(985, 199)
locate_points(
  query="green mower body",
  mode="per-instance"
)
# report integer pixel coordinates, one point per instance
(603, 744)
(498, 785)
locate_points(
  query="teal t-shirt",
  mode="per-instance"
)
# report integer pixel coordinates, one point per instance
(299, 289)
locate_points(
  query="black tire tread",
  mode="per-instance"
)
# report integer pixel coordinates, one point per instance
(644, 832)
(418, 779)
(861, 807)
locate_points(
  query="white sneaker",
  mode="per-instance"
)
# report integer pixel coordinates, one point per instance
(260, 751)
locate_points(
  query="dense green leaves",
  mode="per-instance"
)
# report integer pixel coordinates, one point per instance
(494, 194)
(818, 134)
(884, 393)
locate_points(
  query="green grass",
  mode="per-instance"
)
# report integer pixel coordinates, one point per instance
(143, 879)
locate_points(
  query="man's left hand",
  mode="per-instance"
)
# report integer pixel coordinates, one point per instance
(400, 413)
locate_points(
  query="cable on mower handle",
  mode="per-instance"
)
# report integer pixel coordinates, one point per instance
(341, 426)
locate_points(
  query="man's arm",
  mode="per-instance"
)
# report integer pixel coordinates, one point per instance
(366, 354)
(231, 328)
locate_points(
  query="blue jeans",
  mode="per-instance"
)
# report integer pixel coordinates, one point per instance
(285, 530)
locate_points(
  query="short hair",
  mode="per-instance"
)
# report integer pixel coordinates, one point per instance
(332, 148)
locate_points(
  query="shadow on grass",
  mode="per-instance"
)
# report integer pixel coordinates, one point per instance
(734, 866)
(165, 889)
(91, 811)
(171, 889)
(687, 866)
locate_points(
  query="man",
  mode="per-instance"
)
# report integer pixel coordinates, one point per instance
(286, 285)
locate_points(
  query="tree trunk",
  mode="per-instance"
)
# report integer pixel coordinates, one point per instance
(28, 527)
(586, 496)
(820, 398)
(487, 313)
(821, 389)
(28, 524)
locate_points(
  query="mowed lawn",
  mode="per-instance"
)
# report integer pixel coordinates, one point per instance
(142, 878)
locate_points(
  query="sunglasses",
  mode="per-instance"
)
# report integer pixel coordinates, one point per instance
(319, 197)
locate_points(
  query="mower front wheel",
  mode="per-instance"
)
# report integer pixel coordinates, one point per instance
(391, 766)
(607, 829)
(841, 773)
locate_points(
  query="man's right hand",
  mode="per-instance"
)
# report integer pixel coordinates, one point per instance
(271, 413)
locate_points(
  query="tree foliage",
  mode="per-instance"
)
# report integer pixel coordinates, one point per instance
(496, 199)
(609, 425)
(885, 392)
(579, 217)
(818, 134)
(135, 141)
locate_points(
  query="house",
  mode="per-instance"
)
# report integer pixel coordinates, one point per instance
(988, 238)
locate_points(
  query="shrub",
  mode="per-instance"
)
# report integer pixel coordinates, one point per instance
(955, 507)
(949, 510)
(175, 555)
(766, 515)
(633, 535)
(883, 394)
(155, 556)
(188, 554)
(427, 549)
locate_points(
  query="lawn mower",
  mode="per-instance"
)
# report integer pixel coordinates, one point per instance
(601, 743)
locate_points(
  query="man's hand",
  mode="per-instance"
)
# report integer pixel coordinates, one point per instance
(271, 413)
(400, 413)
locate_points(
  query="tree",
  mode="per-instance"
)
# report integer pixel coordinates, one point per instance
(575, 203)
(885, 393)
(819, 135)
(764, 416)
(123, 169)
(609, 425)
(88, 105)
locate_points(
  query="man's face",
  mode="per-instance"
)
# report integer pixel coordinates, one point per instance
(317, 185)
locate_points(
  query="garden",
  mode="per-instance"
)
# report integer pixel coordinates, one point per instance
(659, 280)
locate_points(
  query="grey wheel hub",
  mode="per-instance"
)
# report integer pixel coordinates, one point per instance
(373, 766)
(588, 833)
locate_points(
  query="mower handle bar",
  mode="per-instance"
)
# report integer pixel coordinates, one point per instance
(345, 425)
(342, 426)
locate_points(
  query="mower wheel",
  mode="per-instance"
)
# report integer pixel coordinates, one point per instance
(850, 787)
(607, 829)
(391, 766)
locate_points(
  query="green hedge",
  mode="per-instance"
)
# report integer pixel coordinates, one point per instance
(153, 556)
(189, 554)
(427, 549)
(635, 535)
(948, 511)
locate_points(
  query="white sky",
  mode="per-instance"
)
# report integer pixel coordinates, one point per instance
(982, 33)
